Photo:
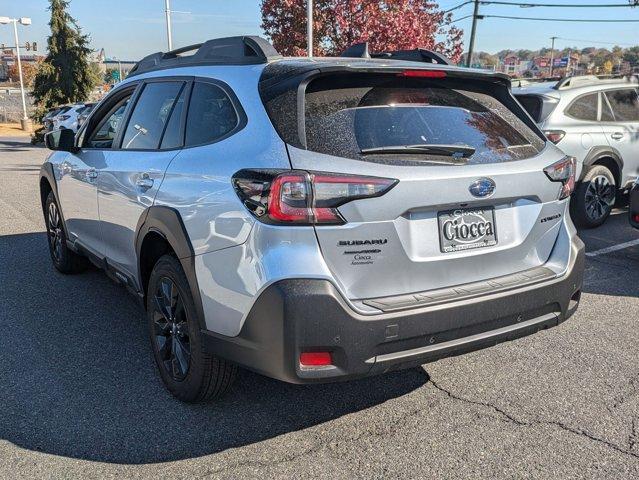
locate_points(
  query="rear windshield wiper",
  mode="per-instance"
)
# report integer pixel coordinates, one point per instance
(456, 151)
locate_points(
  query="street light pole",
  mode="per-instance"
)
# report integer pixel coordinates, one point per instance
(552, 55)
(473, 30)
(167, 11)
(309, 27)
(24, 121)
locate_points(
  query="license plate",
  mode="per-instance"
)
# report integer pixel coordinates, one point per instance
(466, 229)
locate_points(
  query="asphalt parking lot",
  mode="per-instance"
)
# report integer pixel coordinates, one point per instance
(79, 395)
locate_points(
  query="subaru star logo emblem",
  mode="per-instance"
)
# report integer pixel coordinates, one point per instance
(482, 187)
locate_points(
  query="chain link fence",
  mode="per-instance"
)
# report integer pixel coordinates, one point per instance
(11, 105)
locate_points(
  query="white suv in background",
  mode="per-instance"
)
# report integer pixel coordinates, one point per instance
(596, 121)
(69, 118)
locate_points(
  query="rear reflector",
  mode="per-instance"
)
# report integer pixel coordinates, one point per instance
(422, 74)
(315, 359)
(636, 218)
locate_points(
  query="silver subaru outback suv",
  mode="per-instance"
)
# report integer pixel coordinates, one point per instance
(596, 121)
(315, 219)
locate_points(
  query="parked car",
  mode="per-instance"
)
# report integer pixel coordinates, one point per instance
(634, 205)
(47, 120)
(84, 113)
(597, 122)
(68, 118)
(315, 219)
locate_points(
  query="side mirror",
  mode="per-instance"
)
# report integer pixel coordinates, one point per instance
(62, 140)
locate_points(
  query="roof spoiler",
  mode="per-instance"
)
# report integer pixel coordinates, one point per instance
(243, 50)
(360, 50)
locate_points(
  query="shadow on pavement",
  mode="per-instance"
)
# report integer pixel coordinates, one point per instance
(19, 145)
(77, 377)
(614, 273)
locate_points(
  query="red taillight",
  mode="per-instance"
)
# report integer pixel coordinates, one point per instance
(563, 171)
(636, 218)
(555, 136)
(422, 74)
(304, 198)
(315, 359)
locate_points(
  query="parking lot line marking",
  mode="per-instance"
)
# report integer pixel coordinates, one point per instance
(613, 248)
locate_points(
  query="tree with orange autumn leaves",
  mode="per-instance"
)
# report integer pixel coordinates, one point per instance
(338, 24)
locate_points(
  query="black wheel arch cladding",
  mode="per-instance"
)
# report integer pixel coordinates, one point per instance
(167, 223)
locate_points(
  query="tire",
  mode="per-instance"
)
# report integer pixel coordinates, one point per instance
(64, 259)
(594, 198)
(188, 371)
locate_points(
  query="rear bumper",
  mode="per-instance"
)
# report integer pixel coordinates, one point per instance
(297, 315)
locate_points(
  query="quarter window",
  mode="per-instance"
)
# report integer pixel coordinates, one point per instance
(211, 114)
(625, 104)
(150, 115)
(584, 108)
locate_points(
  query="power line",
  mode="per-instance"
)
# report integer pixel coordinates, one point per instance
(560, 19)
(552, 5)
(461, 18)
(458, 6)
(594, 42)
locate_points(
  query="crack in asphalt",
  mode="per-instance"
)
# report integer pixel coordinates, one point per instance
(331, 445)
(631, 390)
(529, 423)
(633, 438)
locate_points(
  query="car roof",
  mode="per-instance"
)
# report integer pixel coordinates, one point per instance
(551, 89)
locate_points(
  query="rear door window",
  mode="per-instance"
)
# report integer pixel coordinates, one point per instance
(366, 118)
(150, 115)
(625, 104)
(584, 108)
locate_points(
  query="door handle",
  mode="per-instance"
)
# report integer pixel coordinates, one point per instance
(92, 174)
(617, 136)
(144, 181)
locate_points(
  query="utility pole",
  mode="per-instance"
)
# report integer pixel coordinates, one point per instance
(473, 30)
(167, 11)
(552, 55)
(309, 28)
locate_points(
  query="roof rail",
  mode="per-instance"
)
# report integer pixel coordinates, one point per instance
(243, 50)
(581, 80)
(360, 50)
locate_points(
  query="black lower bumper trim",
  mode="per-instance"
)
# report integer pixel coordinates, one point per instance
(298, 315)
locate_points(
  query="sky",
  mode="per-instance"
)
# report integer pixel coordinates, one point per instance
(131, 29)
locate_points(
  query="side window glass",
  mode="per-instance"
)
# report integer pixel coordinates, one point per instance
(150, 115)
(584, 108)
(211, 114)
(103, 136)
(606, 112)
(173, 134)
(625, 104)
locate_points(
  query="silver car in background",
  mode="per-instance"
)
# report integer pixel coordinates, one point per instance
(597, 122)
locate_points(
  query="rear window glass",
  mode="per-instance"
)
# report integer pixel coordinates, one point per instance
(362, 117)
(532, 104)
(584, 108)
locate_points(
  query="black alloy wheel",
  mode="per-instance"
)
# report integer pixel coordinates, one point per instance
(55, 233)
(171, 330)
(600, 198)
